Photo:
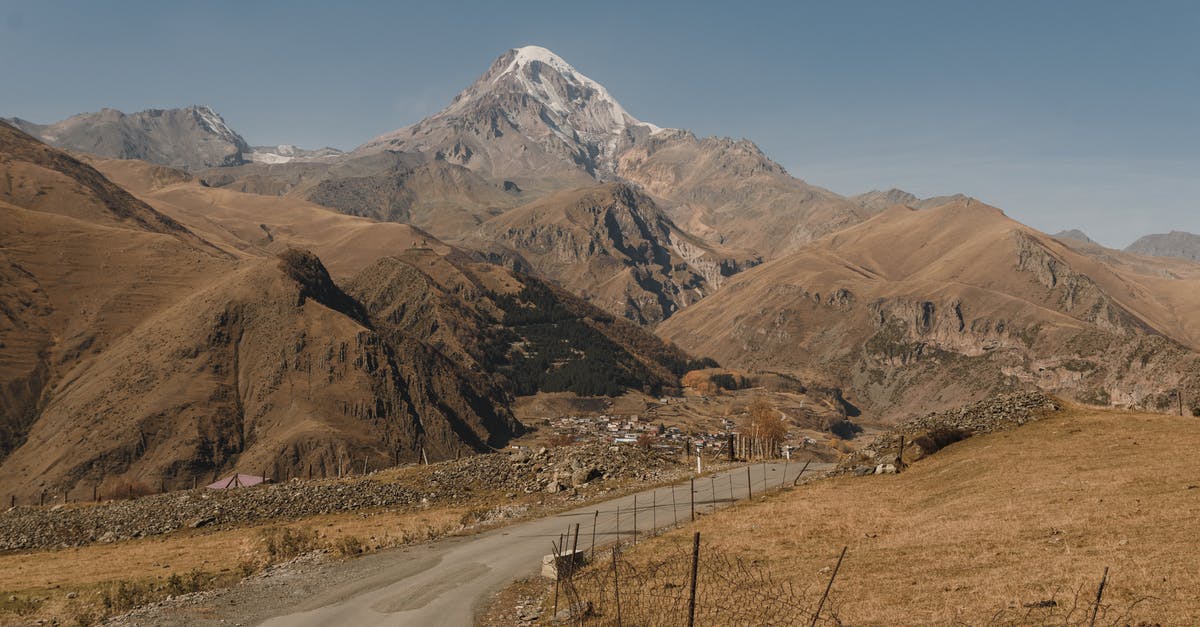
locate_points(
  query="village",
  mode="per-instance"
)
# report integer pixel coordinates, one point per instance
(639, 430)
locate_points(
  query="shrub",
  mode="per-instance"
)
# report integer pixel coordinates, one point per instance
(286, 543)
(348, 546)
(939, 438)
(126, 595)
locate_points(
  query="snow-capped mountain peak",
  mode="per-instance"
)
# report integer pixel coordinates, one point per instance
(553, 82)
(535, 93)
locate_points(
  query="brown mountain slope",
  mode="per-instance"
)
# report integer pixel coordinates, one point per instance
(256, 225)
(186, 360)
(729, 192)
(611, 245)
(128, 341)
(81, 263)
(928, 308)
(272, 366)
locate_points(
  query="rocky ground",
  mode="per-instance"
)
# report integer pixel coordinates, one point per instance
(569, 472)
(998, 413)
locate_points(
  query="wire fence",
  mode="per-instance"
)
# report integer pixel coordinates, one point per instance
(700, 587)
(705, 586)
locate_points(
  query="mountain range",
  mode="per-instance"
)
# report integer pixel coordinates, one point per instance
(177, 302)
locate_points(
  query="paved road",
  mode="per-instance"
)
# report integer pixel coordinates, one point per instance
(446, 583)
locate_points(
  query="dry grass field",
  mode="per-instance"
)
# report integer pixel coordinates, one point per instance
(71, 584)
(990, 526)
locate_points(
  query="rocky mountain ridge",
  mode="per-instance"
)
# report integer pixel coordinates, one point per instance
(1179, 244)
(945, 305)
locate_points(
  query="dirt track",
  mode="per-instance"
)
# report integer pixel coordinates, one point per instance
(446, 582)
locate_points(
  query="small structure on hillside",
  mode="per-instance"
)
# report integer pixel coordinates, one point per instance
(237, 480)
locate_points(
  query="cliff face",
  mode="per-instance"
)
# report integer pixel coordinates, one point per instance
(613, 246)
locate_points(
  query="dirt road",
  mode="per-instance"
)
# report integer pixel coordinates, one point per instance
(445, 582)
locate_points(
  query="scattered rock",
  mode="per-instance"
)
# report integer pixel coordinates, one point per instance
(999, 413)
(23, 528)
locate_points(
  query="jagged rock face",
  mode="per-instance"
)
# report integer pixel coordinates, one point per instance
(729, 193)
(915, 309)
(511, 327)
(612, 245)
(192, 138)
(1174, 244)
(530, 115)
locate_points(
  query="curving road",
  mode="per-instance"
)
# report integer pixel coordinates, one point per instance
(448, 581)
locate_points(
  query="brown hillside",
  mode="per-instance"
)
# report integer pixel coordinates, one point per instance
(987, 531)
(273, 367)
(728, 192)
(934, 307)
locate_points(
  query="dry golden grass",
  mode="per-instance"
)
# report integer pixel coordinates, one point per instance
(994, 522)
(226, 555)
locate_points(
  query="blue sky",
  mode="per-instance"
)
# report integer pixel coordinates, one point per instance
(1064, 114)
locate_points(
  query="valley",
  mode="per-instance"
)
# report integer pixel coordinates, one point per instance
(428, 353)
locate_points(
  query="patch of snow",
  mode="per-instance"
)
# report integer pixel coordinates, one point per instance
(266, 157)
(214, 122)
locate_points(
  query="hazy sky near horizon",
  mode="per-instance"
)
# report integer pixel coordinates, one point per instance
(1063, 113)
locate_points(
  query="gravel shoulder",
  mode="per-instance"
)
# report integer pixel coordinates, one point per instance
(448, 581)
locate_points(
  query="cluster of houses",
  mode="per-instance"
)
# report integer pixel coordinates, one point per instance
(631, 429)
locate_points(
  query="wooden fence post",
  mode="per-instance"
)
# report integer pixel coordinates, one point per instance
(595, 519)
(557, 572)
(796, 481)
(695, 571)
(693, 500)
(817, 614)
(749, 488)
(616, 584)
(1099, 595)
(654, 511)
(635, 518)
